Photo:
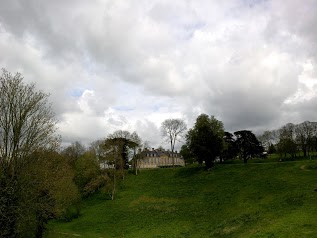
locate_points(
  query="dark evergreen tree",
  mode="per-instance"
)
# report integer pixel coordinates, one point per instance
(230, 150)
(248, 145)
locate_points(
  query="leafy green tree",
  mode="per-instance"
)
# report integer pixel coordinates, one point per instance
(205, 139)
(119, 144)
(49, 192)
(86, 169)
(186, 154)
(117, 147)
(248, 145)
(73, 152)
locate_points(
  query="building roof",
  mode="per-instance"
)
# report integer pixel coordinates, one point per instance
(158, 153)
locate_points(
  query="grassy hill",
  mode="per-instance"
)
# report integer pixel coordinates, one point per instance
(232, 200)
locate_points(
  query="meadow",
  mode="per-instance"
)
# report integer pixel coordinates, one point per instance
(270, 199)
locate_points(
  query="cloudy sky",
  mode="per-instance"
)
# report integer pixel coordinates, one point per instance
(130, 64)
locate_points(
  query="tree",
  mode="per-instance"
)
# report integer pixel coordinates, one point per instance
(187, 155)
(136, 146)
(47, 191)
(266, 139)
(97, 147)
(171, 130)
(287, 146)
(73, 152)
(117, 147)
(230, 150)
(271, 149)
(287, 143)
(27, 125)
(248, 145)
(86, 169)
(122, 142)
(27, 122)
(304, 135)
(205, 139)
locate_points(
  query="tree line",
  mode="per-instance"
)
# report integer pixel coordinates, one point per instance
(291, 139)
(208, 142)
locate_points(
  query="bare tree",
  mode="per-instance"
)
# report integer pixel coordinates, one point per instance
(304, 135)
(27, 122)
(287, 143)
(265, 139)
(172, 130)
(136, 151)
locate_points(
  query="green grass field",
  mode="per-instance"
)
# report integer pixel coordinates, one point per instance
(271, 199)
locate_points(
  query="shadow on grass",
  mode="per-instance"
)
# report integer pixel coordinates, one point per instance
(190, 171)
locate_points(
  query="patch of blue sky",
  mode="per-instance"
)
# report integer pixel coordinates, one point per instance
(77, 92)
(157, 105)
(243, 5)
(123, 108)
(253, 3)
(189, 29)
(155, 108)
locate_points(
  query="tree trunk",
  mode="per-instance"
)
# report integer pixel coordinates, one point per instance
(245, 160)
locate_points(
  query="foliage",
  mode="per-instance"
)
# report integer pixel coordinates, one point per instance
(271, 149)
(73, 152)
(205, 139)
(230, 150)
(43, 190)
(87, 169)
(248, 145)
(287, 146)
(117, 147)
(186, 154)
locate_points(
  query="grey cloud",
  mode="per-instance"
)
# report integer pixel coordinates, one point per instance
(237, 60)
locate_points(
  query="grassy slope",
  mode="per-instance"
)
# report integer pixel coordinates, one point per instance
(233, 200)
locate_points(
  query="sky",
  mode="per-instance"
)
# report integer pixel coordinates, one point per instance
(130, 64)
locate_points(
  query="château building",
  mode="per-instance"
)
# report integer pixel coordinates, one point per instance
(158, 158)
